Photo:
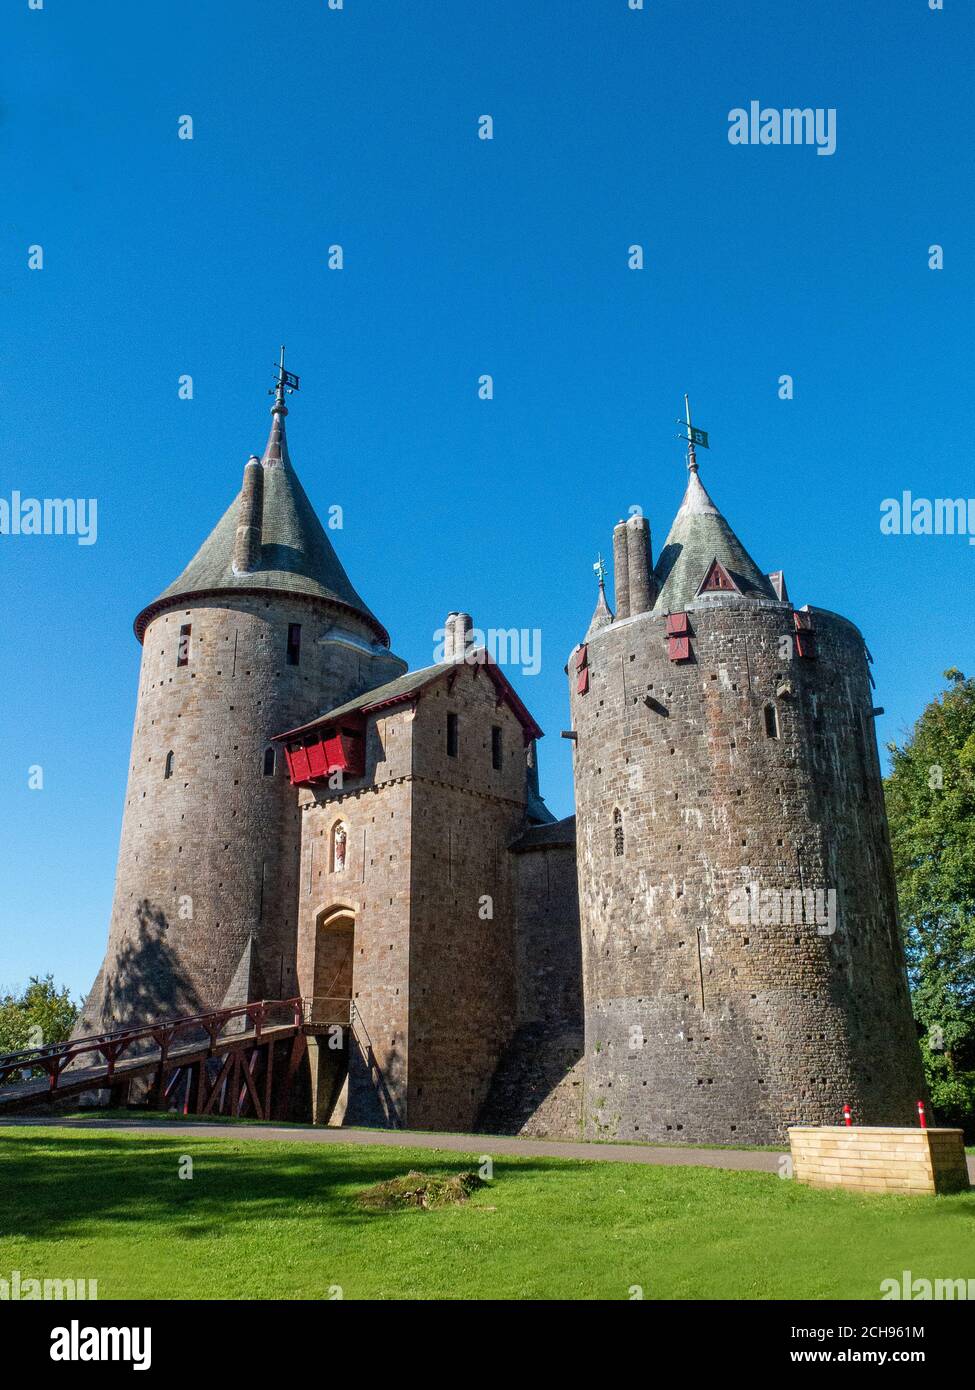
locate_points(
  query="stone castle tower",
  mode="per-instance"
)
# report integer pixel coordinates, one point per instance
(742, 967)
(260, 629)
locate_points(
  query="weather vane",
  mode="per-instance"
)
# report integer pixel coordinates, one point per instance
(693, 436)
(287, 381)
(600, 569)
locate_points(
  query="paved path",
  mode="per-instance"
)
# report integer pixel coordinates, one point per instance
(748, 1159)
(742, 1160)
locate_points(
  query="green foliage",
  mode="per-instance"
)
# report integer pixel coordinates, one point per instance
(931, 805)
(42, 1013)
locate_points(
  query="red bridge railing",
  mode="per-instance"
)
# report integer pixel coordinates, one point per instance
(55, 1058)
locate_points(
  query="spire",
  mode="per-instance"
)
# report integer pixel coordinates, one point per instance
(276, 449)
(602, 616)
(283, 545)
(699, 536)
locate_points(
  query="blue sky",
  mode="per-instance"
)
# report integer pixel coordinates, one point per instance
(359, 127)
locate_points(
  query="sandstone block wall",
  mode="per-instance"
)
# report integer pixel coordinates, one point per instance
(880, 1159)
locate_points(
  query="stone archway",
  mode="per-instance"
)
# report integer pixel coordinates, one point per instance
(334, 964)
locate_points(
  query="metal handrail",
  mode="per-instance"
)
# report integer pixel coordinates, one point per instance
(326, 1008)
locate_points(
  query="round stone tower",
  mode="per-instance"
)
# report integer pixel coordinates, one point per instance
(260, 632)
(743, 969)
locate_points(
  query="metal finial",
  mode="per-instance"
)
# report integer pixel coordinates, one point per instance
(692, 438)
(286, 383)
(600, 569)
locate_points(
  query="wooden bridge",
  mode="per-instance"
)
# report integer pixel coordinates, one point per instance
(239, 1061)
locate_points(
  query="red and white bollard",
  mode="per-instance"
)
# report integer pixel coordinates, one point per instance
(921, 1115)
(847, 1116)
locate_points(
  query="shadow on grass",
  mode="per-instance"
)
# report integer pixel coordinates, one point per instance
(69, 1185)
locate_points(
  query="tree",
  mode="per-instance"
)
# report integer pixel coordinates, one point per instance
(930, 797)
(42, 1013)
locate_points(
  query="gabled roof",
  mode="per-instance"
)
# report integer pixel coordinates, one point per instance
(699, 536)
(296, 555)
(408, 686)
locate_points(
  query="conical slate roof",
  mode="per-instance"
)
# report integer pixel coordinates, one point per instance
(699, 535)
(296, 556)
(602, 616)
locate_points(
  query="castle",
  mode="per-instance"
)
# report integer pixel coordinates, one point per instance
(708, 951)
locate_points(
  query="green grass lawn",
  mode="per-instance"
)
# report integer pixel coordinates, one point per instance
(279, 1220)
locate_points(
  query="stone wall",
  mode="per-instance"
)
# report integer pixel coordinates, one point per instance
(207, 880)
(701, 1026)
(430, 881)
(374, 885)
(538, 1087)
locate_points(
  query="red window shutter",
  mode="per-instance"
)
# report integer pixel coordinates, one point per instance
(679, 648)
(677, 625)
(582, 657)
(806, 645)
(582, 685)
(803, 622)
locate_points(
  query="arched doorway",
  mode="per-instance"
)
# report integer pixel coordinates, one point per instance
(334, 963)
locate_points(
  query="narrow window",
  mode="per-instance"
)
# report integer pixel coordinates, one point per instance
(269, 762)
(618, 843)
(183, 649)
(451, 735)
(168, 769)
(294, 643)
(771, 722)
(496, 747)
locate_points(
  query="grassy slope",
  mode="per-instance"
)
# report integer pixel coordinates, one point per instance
(277, 1220)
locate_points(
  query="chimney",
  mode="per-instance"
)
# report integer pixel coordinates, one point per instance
(621, 573)
(458, 630)
(638, 565)
(247, 541)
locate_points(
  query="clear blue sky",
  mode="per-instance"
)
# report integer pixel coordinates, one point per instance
(358, 127)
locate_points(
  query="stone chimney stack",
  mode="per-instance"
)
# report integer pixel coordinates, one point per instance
(639, 565)
(458, 630)
(621, 571)
(247, 541)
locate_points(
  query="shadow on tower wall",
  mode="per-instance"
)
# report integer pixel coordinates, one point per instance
(144, 982)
